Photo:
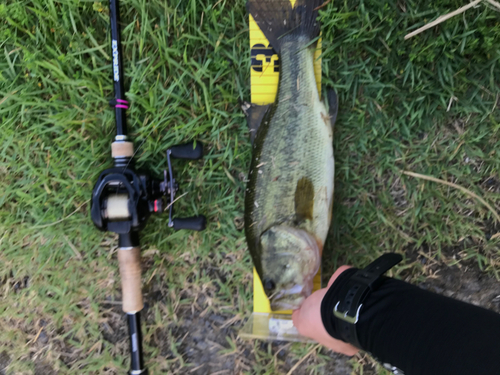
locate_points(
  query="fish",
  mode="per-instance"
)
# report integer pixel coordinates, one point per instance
(289, 193)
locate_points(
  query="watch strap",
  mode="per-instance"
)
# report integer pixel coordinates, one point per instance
(347, 308)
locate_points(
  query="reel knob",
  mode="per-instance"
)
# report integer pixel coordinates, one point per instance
(197, 223)
(187, 151)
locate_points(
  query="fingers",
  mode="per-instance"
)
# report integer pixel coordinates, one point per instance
(308, 320)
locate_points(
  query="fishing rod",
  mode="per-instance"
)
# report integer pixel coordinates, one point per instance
(123, 199)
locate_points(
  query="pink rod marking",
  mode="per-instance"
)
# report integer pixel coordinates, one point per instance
(121, 106)
(121, 101)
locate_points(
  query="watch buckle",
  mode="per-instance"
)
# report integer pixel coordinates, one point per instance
(343, 315)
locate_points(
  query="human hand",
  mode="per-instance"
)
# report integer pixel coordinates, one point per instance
(308, 320)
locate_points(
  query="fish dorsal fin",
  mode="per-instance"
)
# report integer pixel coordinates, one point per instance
(255, 114)
(333, 105)
(304, 199)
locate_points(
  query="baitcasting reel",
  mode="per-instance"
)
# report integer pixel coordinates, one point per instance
(123, 200)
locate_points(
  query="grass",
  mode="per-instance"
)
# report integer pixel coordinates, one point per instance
(428, 105)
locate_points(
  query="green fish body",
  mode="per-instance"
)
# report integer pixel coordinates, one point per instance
(289, 196)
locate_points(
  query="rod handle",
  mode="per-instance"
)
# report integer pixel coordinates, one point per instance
(129, 259)
(197, 223)
(187, 151)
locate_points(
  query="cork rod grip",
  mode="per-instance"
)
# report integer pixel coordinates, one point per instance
(130, 272)
(122, 149)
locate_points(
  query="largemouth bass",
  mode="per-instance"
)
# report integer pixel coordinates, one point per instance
(289, 195)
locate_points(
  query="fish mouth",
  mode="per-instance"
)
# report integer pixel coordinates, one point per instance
(291, 298)
(285, 305)
(292, 259)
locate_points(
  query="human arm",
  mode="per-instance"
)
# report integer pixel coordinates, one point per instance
(417, 331)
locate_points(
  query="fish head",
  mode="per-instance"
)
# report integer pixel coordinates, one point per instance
(290, 260)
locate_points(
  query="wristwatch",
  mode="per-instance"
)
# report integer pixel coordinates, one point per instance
(348, 306)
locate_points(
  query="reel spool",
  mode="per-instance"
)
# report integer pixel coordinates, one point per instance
(123, 200)
(117, 207)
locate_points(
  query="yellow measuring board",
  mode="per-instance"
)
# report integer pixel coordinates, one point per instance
(264, 77)
(264, 72)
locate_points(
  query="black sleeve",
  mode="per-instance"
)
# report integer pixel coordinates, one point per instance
(420, 332)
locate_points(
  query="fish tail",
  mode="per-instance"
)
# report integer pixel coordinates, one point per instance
(281, 22)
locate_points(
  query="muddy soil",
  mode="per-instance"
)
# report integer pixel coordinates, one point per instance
(202, 341)
(205, 346)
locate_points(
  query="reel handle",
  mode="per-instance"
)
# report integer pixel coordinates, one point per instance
(187, 151)
(197, 223)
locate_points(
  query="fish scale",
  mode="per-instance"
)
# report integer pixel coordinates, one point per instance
(298, 144)
(293, 144)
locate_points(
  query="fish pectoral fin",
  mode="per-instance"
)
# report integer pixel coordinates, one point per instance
(304, 199)
(255, 114)
(332, 102)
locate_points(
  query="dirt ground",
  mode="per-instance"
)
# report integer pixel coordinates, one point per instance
(205, 337)
(202, 340)
(205, 347)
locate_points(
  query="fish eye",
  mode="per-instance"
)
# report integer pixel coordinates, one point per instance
(269, 284)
